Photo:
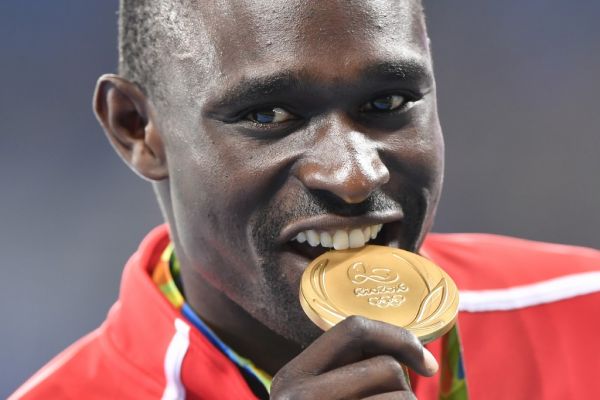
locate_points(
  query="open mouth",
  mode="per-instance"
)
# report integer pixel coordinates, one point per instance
(312, 243)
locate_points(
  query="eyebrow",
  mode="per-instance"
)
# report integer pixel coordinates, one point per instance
(257, 89)
(251, 90)
(408, 70)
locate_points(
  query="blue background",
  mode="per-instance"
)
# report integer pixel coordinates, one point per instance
(519, 101)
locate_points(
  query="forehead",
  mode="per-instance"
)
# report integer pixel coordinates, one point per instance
(327, 39)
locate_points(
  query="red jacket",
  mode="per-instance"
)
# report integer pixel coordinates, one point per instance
(528, 324)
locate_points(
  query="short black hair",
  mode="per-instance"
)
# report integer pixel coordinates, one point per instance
(137, 37)
(145, 30)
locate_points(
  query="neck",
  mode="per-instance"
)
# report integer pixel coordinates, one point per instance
(238, 329)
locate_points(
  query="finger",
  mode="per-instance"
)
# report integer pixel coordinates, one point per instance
(381, 374)
(393, 396)
(357, 338)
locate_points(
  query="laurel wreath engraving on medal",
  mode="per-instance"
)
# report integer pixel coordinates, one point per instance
(435, 302)
(317, 278)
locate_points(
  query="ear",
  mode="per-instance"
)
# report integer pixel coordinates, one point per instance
(129, 121)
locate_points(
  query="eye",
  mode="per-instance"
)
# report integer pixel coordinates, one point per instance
(385, 103)
(268, 116)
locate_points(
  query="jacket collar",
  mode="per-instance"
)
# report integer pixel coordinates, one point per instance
(141, 326)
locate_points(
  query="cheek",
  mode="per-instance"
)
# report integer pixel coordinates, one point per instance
(429, 147)
(416, 157)
(209, 221)
(208, 201)
(220, 180)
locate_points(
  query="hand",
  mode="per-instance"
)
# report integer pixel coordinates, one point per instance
(359, 359)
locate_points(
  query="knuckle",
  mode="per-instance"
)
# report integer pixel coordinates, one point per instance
(279, 379)
(299, 394)
(288, 386)
(290, 396)
(285, 393)
(284, 396)
(390, 366)
(357, 326)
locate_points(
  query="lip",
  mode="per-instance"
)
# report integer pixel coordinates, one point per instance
(330, 222)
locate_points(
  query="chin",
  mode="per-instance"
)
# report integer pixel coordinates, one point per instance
(298, 329)
(276, 303)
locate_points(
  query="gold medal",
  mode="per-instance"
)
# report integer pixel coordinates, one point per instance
(381, 283)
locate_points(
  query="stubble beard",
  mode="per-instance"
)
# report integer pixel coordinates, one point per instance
(281, 311)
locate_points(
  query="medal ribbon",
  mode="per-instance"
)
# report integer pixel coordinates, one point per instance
(166, 274)
(453, 383)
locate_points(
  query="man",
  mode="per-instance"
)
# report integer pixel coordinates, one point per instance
(273, 132)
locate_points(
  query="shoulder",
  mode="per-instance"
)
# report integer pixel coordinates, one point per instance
(56, 378)
(484, 261)
(527, 301)
(502, 273)
(447, 242)
(90, 368)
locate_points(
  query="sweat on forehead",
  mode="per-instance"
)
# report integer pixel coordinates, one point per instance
(152, 32)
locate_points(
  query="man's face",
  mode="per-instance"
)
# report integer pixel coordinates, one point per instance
(287, 117)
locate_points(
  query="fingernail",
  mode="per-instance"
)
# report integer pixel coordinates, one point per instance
(430, 362)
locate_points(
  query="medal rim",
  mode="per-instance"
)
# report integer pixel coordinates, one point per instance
(326, 323)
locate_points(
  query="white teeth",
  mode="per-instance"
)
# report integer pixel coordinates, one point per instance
(356, 238)
(313, 238)
(374, 231)
(367, 233)
(340, 239)
(326, 239)
(301, 238)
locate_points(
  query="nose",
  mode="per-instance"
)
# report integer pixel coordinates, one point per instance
(345, 163)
